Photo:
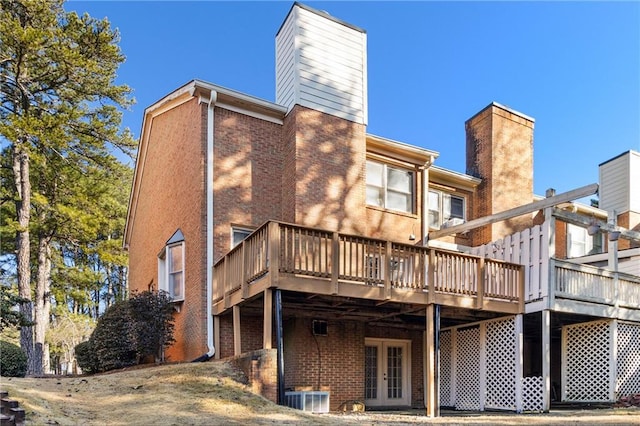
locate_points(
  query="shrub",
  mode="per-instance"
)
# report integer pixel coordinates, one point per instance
(114, 338)
(86, 357)
(153, 317)
(13, 361)
(127, 332)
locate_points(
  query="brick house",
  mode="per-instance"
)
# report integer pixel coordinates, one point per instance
(322, 258)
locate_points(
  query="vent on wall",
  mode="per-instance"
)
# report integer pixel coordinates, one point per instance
(319, 328)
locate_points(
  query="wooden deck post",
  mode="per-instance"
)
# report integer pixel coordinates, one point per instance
(431, 363)
(274, 253)
(237, 344)
(267, 333)
(480, 290)
(244, 285)
(335, 261)
(431, 277)
(387, 270)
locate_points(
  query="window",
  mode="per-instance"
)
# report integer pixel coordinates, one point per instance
(238, 235)
(389, 187)
(580, 243)
(445, 209)
(171, 267)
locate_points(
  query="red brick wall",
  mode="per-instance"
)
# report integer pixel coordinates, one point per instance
(261, 369)
(324, 171)
(172, 196)
(335, 361)
(247, 174)
(251, 334)
(500, 152)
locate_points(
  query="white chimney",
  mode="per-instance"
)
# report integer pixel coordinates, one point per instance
(321, 63)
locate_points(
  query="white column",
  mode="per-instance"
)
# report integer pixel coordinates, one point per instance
(546, 360)
(519, 361)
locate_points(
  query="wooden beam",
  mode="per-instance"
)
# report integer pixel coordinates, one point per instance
(517, 211)
(431, 388)
(585, 221)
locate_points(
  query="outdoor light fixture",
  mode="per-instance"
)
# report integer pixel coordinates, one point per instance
(614, 235)
(593, 229)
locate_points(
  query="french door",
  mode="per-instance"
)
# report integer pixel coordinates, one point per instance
(387, 372)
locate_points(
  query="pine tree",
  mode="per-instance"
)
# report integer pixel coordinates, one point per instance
(59, 106)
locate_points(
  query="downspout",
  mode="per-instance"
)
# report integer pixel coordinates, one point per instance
(211, 350)
(210, 139)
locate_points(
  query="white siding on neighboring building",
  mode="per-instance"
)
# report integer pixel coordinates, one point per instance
(321, 64)
(620, 183)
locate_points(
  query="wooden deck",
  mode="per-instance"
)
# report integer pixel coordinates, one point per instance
(314, 261)
(595, 291)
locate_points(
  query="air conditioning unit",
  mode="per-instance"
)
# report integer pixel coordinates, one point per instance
(311, 401)
(453, 222)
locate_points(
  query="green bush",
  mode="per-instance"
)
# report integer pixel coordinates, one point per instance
(114, 338)
(86, 357)
(13, 362)
(128, 332)
(153, 317)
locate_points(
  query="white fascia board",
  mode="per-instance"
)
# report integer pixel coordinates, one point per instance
(401, 146)
(462, 179)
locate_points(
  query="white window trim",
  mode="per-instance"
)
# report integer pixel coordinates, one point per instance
(164, 271)
(587, 244)
(235, 229)
(442, 220)
(385, 176)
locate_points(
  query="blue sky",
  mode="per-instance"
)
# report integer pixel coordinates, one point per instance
(573, 66)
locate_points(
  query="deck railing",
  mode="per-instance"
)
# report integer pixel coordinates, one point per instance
(598, 285)
(335, 257)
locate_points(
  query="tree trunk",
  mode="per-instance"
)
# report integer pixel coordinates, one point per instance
(43, 303)
(23, 248)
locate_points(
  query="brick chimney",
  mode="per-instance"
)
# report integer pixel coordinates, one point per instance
(500, 152)
(321, 78)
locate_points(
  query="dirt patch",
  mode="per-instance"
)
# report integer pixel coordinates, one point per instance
(214, 393)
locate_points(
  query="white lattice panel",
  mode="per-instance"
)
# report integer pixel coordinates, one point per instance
(501, 364)
(532, 394)
(445, 368)
(628, 363)
(587, 361)
(468, 369)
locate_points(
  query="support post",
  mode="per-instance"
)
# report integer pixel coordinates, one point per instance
(274, 252)
(267, 334)
(335, 261)
(430, 362)
(431, 276)
(519, 361)
(237, 344)
(280, 346)
(546, 360)
(480, 288)
(216, 335)
(387, 270)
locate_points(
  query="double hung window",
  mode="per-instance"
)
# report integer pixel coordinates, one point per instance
(389, 187)
(171, 267)
(445, 209)
(580, 243)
